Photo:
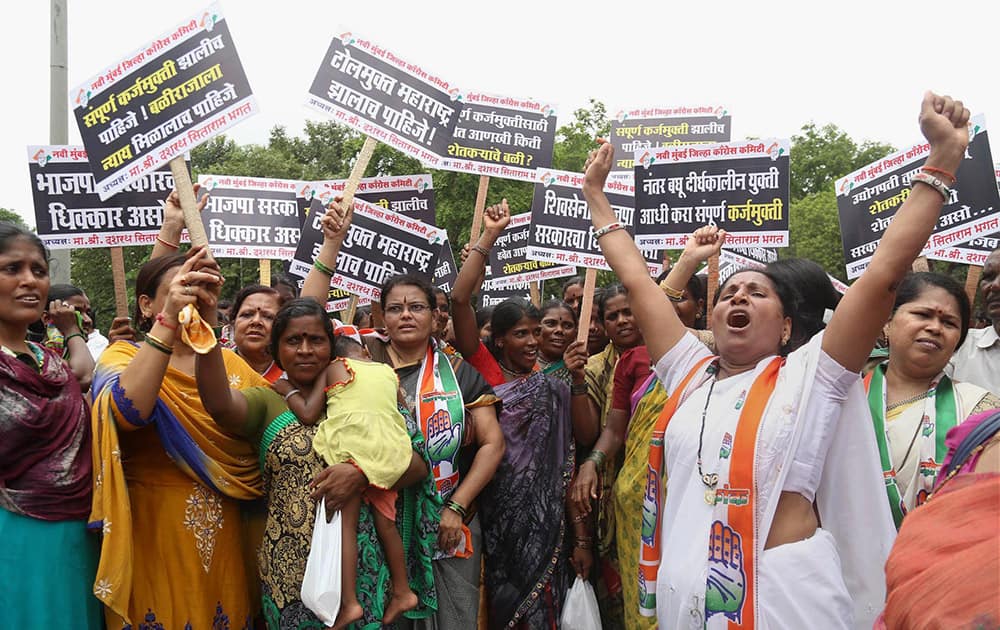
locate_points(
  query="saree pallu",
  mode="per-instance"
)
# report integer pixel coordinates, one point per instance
(944, 570)
(629, 490)
(166, 502)
(600, 374)
(523, 508)
(48, 559)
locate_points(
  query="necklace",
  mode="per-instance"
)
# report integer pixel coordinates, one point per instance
(511, 373)
(909, 400)
(267, 369)
(709, 479)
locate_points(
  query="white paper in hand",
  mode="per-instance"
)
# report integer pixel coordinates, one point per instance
(321, 584)
(580, 610)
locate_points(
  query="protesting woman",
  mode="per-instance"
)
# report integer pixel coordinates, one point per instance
(524, 525)
(302, 345)
(185, 477)
(558, 331)
(254, 309)
(455, 410)
(48, 559)
(637, 399)
(944, 570)
(913, 403)
(784, 431)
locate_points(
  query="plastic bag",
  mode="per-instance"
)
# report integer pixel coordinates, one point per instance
(580, 610)
(321, 583)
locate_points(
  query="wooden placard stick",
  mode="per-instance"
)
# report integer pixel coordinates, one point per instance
(358, 171)
(118, 276)
(921, 264)
(589, 281)
(972, 282)
(536, 294)
(378, 321)
(713, 278)
(477, 217)
(265, 272)
(352, 308)
(189, 204)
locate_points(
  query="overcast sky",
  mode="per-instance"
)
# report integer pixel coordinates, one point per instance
(774, 65)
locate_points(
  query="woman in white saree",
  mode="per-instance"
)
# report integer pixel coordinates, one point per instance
(758, 448)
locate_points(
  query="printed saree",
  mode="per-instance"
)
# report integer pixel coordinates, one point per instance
(523, 508)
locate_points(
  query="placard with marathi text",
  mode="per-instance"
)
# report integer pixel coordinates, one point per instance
(161, 101)
(869, 198)
(742, 187)
(379, 244)
(251, 217)
(501, 136)
(372, 90)
(654, 127)
(411, 195)
(974, 252)
(561, 230)
(509, 263)
(69, 213)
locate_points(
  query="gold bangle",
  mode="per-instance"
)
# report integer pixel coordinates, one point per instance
(671, 292)
(159, 344)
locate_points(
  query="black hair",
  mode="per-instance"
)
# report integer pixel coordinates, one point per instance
(786, 292)
(506, 315)
(575, 280)
(915, 283)
(483, 316)
(608, 292)
(294, 309)
(554, 304)
(344, 345)
(148, 281)
(10, 231)
(815, 295)
(697, 288)
(247, 291)
(365, 310)
(407, 280)
(63, 291)
(284, 280)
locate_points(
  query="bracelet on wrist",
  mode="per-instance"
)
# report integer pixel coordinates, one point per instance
(322, 268)
(291, 393)
(159, 344)
(168, 243)
(598, 457)
(935, 183)
(608, 229)
(578, 389)
(672, 293)
(584, 544)
(482, 250)
(457, 508)
(941, 172)
(161, 319)
(76, 334)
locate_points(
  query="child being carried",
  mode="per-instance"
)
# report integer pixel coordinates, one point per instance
(363, 425)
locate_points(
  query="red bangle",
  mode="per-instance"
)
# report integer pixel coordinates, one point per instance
(161, 319)
(167, 243)
(939, 171)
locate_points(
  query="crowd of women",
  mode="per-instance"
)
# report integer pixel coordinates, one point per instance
(740, 459)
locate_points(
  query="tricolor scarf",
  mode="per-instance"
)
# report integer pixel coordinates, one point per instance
(940, 415)
(441, 412)
(734, 530)
(203, 451)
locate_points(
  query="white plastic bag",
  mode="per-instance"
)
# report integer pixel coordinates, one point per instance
(321, 583)
(580, 610)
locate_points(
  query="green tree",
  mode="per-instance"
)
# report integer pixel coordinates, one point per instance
(12, 217)
(819, 157)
